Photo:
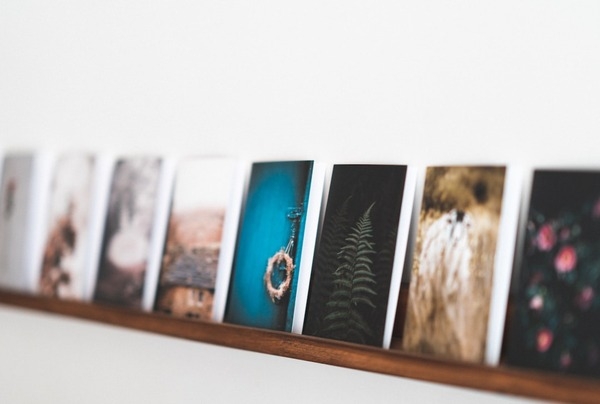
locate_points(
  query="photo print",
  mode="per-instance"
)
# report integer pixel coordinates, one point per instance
(200, 237)
(461, 263)
(67, 240)
(556, 322)
(22, 200)
(351, 296)
(275, 244)
(127, 241)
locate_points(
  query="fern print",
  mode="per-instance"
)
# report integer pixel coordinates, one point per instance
(355, 286)
(351, 275)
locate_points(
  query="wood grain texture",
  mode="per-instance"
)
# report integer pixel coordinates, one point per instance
(393, 362)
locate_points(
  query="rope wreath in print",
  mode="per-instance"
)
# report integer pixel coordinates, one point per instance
(282, 260)
(276, 293)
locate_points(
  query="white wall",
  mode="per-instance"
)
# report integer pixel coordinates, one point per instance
(49, 359)
(414, 81)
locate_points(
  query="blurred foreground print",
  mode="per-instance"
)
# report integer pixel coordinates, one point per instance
(556, 324)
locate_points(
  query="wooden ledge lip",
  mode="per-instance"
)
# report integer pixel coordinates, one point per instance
(500, 379)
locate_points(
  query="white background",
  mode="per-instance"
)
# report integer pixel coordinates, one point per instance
(427, 82)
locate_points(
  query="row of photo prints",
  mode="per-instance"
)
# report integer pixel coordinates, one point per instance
(319, 249)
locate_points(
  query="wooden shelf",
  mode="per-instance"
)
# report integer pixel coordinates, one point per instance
(500, 379)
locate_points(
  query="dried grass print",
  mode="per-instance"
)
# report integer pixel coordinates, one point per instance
(453, 263)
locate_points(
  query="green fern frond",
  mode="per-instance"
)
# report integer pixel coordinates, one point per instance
(363, 289)
(338, 304)
(361, 299)
(343, 283)
(354, 286)
(365, 279)
(341, 293)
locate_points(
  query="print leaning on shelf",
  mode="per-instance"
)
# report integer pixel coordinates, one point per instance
(275, 243)
(200, 239)
(133, 232)
(22, 200)
(357, 268)
(556, 323)
(73, 225)
(462, 263)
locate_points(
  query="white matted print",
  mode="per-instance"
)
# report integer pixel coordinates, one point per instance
(462, 262)
(22, 199)
(133, 231)
(201, 234)
(72, 229)
(275, 244)
(358, 263)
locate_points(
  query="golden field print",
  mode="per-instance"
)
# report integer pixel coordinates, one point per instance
(453, 262)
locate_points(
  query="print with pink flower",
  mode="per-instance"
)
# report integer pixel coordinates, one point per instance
(557, 319)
